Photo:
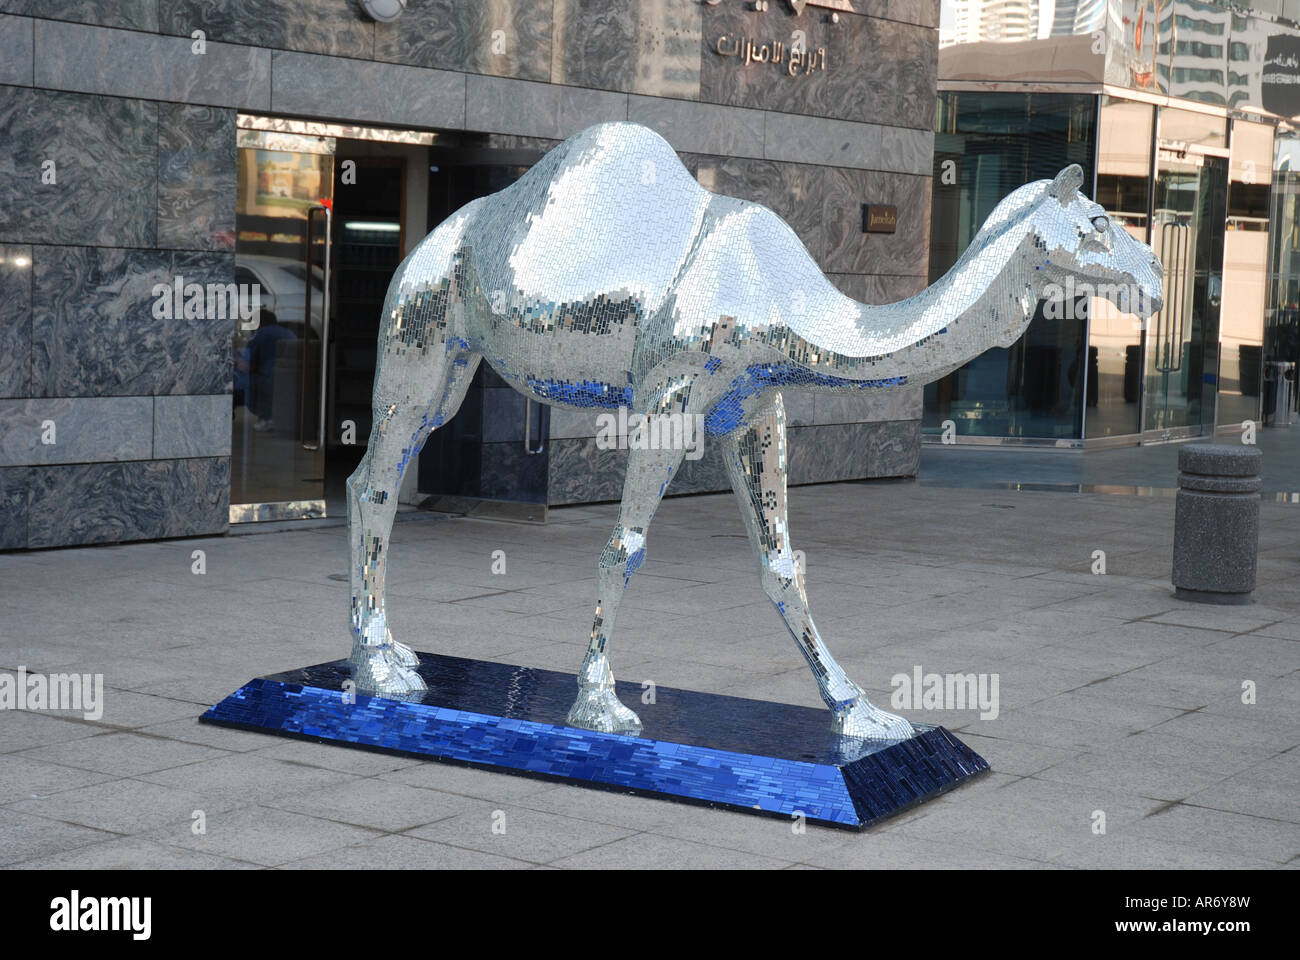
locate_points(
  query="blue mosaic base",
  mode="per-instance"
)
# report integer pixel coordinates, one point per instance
(751, 755)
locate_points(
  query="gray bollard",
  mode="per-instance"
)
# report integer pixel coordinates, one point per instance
(1216, 522)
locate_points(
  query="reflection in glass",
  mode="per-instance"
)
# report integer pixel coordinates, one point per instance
(281, 180)
(1115, 338)
(1182, 338)
(1282, 319)
(986, 145)
(1245, 258)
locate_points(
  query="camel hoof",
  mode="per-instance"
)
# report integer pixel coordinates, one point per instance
(384, 670)
(597, 708)
(863, 719)
(402, 654)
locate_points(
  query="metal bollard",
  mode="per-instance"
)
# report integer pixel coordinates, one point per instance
(1216, 522)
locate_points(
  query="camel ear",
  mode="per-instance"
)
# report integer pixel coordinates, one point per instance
(1066, 185)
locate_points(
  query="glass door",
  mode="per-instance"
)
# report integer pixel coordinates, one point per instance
(1181, 341)
(282, 255)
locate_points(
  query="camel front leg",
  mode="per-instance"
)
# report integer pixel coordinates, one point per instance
(648, 474)
(757, 463)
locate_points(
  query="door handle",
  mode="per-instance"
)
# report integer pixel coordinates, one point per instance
(324, 315)
(528, 428)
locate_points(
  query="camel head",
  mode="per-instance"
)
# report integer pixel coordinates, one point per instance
(1080, 251)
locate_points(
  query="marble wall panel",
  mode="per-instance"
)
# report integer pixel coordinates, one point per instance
(875, 70)
(800, 406)
(191, 426)
(105, 170)
(903, 150)
(503, 416)
(875, 288)
(581, 472)
(508, 473)
(835, 143)
(567, 424)
(84, 430)
(339, 27)
(504, 105)
(651, 47)
(708, 474)
(891, 289)
(853, 285)
(453, 35)
(131, 14)
(13, 507)
(94, 332)
(854, 451)
(15, 50)
(15, 320)
(922, 12)
(196, 177)
(868, 406)
(849, 250)
(72, 56)
(367, 92)
(142, 500)
(907, 58)
(701, 127)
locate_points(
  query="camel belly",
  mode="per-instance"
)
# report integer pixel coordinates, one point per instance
(575, 355)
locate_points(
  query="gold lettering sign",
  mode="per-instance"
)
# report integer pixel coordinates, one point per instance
(879, 218)
(842, 6)
(794, 62)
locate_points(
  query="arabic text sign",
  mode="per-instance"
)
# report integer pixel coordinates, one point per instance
(796, 61)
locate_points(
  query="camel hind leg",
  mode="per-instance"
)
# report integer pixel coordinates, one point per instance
(756, 462)
(597, 706)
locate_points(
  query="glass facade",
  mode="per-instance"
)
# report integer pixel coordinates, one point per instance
(1178, 113)
(1282, 309)
(1245, 272)
(986, 145)
(1114, 385)
(1181, 346)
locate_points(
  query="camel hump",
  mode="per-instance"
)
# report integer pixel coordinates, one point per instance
(619, 157)
(611, 210)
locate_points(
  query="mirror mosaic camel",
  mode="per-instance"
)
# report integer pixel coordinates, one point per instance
(607, 277)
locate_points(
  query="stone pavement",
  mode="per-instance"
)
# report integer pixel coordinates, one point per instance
(1114, 698)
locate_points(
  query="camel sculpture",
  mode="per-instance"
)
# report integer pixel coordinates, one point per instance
(607, 277)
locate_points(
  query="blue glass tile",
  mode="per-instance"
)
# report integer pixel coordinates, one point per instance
(695, 747)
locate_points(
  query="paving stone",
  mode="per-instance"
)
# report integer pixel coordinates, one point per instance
(266, 836)
(247, 777)
(405, 853)
(23, 777)
(131, 853)
(380, 804)
(121, 806)
(24, 837)
(649, 851)
(516, 831)
(1220, 831)
(123, 754)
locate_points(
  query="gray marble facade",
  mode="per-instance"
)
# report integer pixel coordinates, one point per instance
(141, 132)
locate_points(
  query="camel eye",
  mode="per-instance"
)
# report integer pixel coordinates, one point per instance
(1101, 224)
